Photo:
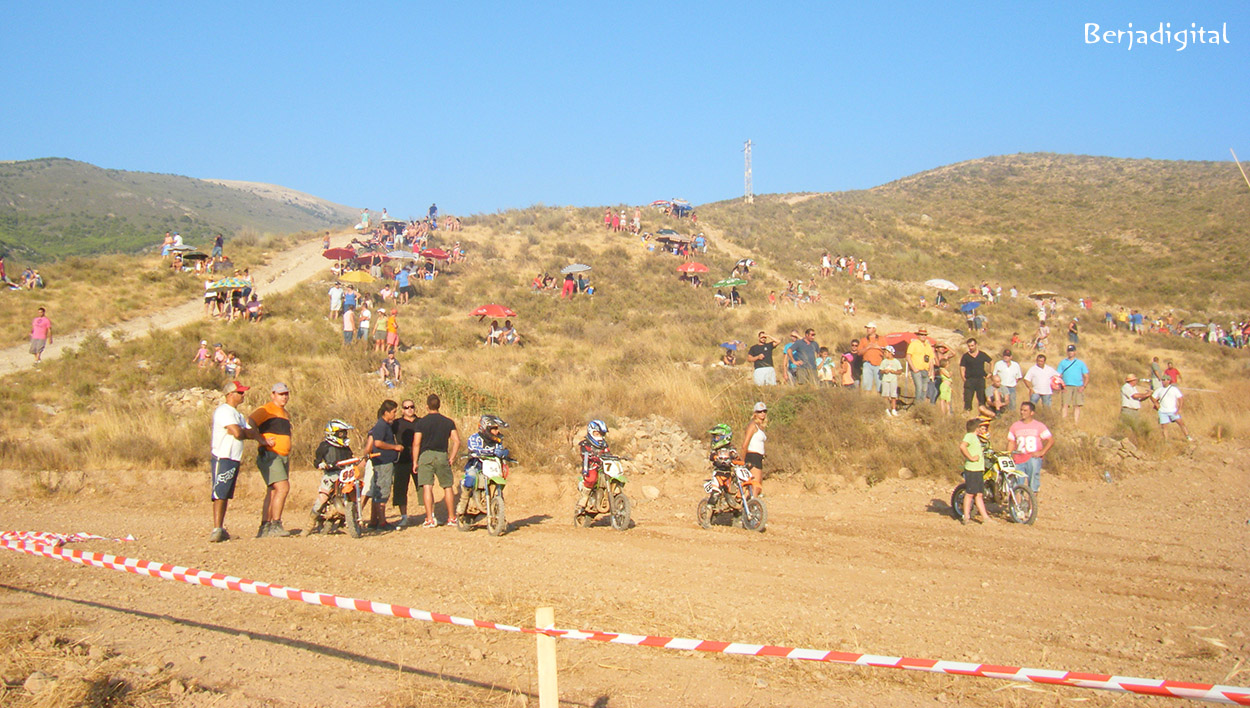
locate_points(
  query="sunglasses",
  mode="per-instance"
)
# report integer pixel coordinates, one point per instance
(409, 408)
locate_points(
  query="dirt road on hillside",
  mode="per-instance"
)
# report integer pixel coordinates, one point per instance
(1146, 576)
(286, 270)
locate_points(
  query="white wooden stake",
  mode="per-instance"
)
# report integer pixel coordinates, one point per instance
(548, 689)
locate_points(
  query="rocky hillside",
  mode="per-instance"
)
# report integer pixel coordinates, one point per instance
(52, 208)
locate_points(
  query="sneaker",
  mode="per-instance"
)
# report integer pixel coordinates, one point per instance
(963, 520)
(430, 523)
(263, 531)
(218, 535)
(453, 521)
(403, 522)
(276, 530)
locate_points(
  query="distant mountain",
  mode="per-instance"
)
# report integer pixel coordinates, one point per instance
(1147, 232)
(53, 207)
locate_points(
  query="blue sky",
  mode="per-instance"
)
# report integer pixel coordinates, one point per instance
(484, 106)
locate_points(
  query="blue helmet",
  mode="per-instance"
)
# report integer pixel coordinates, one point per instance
(597, 433)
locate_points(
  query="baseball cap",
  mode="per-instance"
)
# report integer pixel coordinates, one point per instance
(890, 349)
(235, 387)
(203, 342)
(1071, 347)
(759, 406)
(280, 388)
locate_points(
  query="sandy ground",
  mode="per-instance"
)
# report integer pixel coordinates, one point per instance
(1145, 576)
(286, 270)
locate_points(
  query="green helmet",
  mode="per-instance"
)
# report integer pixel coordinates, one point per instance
(722, 436)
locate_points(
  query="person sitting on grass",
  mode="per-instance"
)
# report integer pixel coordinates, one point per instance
(721, 299)
(494, 336)
(510, 335)
(391, 372)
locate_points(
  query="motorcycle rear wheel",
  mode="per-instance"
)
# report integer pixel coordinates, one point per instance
(754, 515)
(1022, 505)
(498, 524)
(957, 501)
(620, 511)
(704, 514)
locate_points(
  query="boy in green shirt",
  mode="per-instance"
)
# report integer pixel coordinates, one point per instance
(974, 468)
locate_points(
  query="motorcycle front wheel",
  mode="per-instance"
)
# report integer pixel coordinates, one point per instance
(957, 502)
(1022, 505)
(497, 524)
(754, 515)
(350, 520)
(620, 511)
(704, 514)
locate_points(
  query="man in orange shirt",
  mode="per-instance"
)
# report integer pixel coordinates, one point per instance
(273, 458)
(873, 352)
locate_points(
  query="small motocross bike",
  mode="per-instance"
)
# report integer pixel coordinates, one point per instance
(341, 510)
(608, 496)
(486, 497)
(1005, 486)
(729, 492)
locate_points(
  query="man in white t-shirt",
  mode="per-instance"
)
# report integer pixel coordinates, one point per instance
(1131, 398)
(1009, 374)
(336, 301)
(1168, 399)
(230, 429)
(1038, 379)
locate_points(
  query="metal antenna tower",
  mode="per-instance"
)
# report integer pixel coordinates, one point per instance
(749, 189)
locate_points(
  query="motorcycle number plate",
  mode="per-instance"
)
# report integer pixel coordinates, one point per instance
(492, 468)
(613, 468)
(743, 473)
(1006, 464)
(709, 486)
(347, 475)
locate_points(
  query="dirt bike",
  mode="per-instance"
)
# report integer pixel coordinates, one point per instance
(729, 492)
(341, 510)
(486, 497)
(608, 496)
(1005, 486)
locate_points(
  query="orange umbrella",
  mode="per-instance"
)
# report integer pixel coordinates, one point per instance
(492, 310)
(692, 267)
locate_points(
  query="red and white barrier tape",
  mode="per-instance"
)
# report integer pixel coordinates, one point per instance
(1151, 687)
(56, 539)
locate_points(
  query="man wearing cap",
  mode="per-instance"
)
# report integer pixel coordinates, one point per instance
(1075, 376)
(273, 458)
(230, 429)
(872, 351)
(920, 357)
(1009, 375)
(761, 355)
(1131, 398)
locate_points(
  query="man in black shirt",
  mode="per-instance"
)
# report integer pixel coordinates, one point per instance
(437, 442)
(972, 368)
(761, 354)
(405, 427)
(857, 362)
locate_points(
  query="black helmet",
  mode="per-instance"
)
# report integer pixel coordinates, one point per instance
(486, 422)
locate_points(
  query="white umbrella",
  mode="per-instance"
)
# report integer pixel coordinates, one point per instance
(402, 255)
(941, 284)
(575, 268)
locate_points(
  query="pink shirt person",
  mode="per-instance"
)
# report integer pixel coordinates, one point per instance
(1027, 440)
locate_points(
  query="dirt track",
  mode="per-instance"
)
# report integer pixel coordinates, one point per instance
(1146, 576)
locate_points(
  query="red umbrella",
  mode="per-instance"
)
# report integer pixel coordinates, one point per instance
(897, 337)
(338, 254)
(492, 310)
(692, 267)
(437, 254)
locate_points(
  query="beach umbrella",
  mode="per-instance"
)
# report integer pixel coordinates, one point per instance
(403, 255)
(941, 284)
(1041, 294)
(338, 254)
(692, 267)
(660, 202)
(357, 276)
(729, 283)
(900, 337)
(437, 254)
(731, 346)
(1195, 325)
(197, 256)
(575, 268)
(746, 263)
(969, 306)
(181, 249)
(493, 311)
(230, 284)
(666, 232)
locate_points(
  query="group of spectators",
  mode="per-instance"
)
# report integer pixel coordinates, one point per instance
(231, 304)
(409, 450)
(613, 221)
(503, 336)
(848, 265)
(30, 279)
(218, 359)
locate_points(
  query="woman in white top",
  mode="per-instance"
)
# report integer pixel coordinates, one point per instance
(754, 438)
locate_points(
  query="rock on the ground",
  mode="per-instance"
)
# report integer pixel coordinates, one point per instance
(906, 473)
(650, 493)
(38, 681)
